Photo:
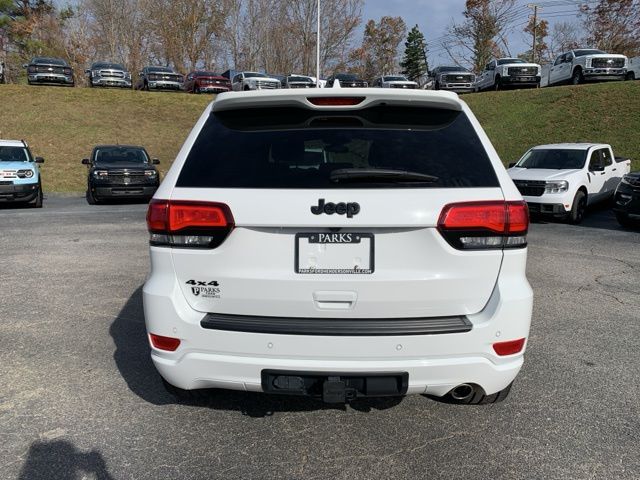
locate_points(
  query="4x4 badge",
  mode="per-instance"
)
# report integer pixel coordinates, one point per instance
(342, 208)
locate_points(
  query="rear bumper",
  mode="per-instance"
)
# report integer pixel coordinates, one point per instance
(18, 193)
(210, 358)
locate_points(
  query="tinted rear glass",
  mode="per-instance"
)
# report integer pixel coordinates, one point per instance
(299, 148)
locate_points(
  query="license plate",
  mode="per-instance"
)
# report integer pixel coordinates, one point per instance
(334, 253)
(526, 79)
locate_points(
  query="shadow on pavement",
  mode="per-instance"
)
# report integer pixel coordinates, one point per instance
(599, 216)
(61, 460)
(132, 357)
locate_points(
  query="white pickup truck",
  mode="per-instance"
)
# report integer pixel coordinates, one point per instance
(562, 179)
(508, 72)
(633, 69)
(582, 65)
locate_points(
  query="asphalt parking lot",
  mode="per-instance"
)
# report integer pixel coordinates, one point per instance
(81, 399)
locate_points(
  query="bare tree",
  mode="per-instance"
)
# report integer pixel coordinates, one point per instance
(613, 25)
(563, 37)
(482, 35)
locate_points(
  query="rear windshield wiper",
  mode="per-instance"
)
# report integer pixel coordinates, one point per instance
(364, 174)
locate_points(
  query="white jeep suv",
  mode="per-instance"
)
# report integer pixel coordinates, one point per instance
(338, 243)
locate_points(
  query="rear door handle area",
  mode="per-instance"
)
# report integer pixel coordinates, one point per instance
(335, 300)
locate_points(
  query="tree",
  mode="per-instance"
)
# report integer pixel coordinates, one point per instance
(378, 54)
(563, 37)
(613, 26)
(482, 35)
(539, 31)
(414, 63)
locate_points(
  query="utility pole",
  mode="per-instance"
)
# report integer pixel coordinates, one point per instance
(318, 50)
(535, 26)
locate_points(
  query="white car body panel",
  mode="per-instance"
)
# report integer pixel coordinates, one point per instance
(633, 68)
(417, 274)
(562, 71)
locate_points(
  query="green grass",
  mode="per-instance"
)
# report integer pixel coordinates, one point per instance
(63, 124)
(605, 112)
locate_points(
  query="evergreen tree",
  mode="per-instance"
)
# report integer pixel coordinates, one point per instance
(414, 63)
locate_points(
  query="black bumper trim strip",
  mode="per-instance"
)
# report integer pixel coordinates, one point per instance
(337, 326)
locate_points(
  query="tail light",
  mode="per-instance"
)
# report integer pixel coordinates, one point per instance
(485, 225)
(335, 101)
(169, 344)
(510, 347)
(186, 224)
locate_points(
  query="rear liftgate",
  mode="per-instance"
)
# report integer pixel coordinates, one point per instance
(335, 387)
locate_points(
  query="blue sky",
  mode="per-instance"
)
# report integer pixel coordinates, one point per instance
(434, 16)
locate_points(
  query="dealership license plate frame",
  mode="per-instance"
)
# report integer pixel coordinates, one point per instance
(313, 238)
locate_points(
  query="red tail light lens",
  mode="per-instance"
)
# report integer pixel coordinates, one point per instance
(188, 224)
(169, 344)
(335, 101)
(485, 225)
(510, 347)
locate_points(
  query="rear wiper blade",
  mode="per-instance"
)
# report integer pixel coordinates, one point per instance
(363, 174)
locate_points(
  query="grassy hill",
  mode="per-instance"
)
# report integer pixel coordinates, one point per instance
(63, 124)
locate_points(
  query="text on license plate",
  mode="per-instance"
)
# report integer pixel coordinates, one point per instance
(334, 253)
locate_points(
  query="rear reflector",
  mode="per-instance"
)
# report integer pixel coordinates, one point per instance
(509, 348)
(188, 224)
(485, 225)
(169, 344)
(335, 101)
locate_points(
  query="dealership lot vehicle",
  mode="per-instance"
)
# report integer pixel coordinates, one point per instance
(452, 78)
(160, 78)
(106, 74)
(562, 179)
(206, 82)
(382, 276)
(298, 81)
(584, 65)
(52, 71)
(394, 81)
(120, 172)
(508, 72)
(633, 69)
(627, 200)
(245, 81)
(20, 180)
(346, 80)
(2, 75)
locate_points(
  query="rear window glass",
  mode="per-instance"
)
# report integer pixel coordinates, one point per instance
(300, 148)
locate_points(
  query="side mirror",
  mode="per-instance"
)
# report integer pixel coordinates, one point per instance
(87, 71)
(155, 161)
(85, 161)
(512, 164)
(39, 160)
(25, 65)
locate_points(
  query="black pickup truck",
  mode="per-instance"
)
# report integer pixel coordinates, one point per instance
(121, 172)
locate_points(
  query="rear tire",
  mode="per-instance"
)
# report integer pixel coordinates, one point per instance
(576, 215)
(630, 76)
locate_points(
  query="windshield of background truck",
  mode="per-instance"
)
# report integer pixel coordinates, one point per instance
(504, 61)
(555, 159)
(582, 53)
(120, 154)
(14, 154)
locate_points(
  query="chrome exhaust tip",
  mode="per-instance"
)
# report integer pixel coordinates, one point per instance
(462, 392)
